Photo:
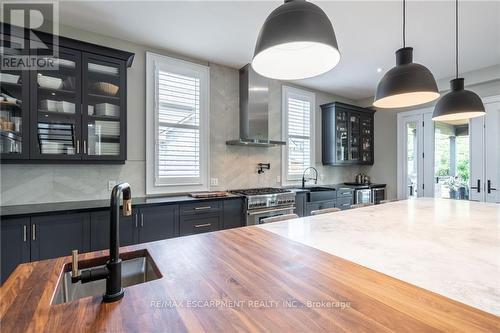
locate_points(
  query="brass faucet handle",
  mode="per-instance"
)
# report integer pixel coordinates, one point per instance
(127, 207)
(74, 263)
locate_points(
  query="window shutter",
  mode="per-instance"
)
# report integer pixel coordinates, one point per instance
(178, 145)
(299, 105)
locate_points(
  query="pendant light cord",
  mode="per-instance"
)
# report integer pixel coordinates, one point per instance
(404, 23)
(456, 38)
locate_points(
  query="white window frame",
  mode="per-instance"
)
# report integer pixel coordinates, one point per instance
(292, 92)
(155, 62)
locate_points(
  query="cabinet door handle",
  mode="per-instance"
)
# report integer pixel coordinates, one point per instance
(135, 219)
(25, 233)
(78, 146)
(202, 208)
(85, 146)
(489, 186)
(478, 187)
(33, 232)
(203, 225)
(142, 220)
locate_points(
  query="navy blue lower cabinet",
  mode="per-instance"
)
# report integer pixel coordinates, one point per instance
(99, 229)
(300, 203)
(233, 213)
(190, 225)
(158, 222)
(15, 244)
(57, 235)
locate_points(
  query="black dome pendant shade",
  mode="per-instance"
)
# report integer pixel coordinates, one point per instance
(297, 41)
(407, 84)
(459, 103)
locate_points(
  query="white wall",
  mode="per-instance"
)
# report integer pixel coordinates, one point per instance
(234, 166)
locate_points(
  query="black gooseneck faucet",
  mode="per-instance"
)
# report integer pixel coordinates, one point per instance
(112, 272)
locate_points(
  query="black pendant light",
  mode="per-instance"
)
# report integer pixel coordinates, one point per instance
(407, 84)
(459, 103)
(297, 41)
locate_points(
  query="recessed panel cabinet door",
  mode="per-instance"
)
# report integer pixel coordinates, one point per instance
(156, 223)
(233, 213)
(99, 230)
(56, 235)
(15, 244)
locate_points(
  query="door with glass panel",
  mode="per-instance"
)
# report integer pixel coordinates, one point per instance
(485, 155)
(103, 114)
(412, 172)
(55, 108)
(14, 100)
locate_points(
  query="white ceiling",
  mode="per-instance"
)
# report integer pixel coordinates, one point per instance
(368, 33)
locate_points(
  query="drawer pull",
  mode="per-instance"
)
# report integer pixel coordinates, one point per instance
(203, 225)
(202, 208)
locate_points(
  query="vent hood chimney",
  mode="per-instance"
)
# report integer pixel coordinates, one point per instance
(254, 112)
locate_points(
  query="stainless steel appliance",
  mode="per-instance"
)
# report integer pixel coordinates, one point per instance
(378, 194)
(266, 202)
(362, 195)
(254, 111)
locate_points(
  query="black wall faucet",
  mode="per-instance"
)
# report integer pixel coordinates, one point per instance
(262, 167)
(112, 272)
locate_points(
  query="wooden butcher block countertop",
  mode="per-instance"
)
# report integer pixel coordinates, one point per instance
(245, 279)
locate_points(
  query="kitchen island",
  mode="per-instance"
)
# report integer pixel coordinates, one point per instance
(250, 279)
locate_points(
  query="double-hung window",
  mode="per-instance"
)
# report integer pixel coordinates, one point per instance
(298, 121)
(177, 125)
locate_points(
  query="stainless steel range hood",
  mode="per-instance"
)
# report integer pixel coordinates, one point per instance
(254, 112)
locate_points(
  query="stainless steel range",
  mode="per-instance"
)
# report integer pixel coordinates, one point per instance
(266, 202)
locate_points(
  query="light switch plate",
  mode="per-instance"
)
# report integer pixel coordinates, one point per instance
(214, 181)
(278, 179)
(111, 184)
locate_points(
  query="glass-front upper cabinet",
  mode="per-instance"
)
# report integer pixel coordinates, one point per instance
(341, 130)
(104, 94)
(14, 100)
(346, 134)
(55, 108)
(366, 140)
(354, 137)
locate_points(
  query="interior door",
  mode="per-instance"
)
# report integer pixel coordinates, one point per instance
(492, 152)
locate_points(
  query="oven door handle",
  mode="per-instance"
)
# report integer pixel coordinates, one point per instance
(270, 211)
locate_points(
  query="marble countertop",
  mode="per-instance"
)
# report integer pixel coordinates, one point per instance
(449, 247)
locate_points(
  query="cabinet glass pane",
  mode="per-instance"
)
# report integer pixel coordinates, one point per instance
(12, 105)
(366, 139)
(103, 137)
(103, 108)
(57, 103)
(341, 136)
(355, 135)
(57, 136)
